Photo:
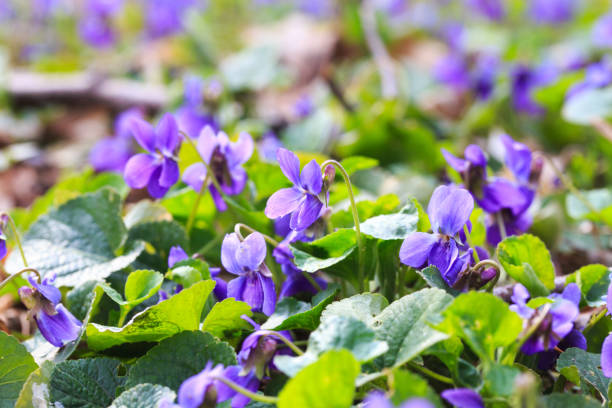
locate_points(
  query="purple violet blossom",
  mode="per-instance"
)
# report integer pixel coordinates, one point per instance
(190, 116)
(602, 31)
(225, 159)
(524, 81)
(302, 200)
(449, 210)
(254, 284)
(157, 169)
(178, 254)
(463, 398)
(552, 11)
(556, 325)
(248, 381)
(201, 389)
(376, 399)
(54, 321)
(491, 9)
(606, 348)
(597, 75)
(4, 220)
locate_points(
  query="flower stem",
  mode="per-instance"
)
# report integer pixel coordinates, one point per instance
(11, 223)
(500, 224)
(196, 204)
(285, 340)
(431, 374)
(266, 399)
(15, 275)
(468, 240)
(312, 281)
(489, 263)
(594, 320)
(240, 226)
(360, 246)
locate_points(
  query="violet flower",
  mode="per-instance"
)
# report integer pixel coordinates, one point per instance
(449, 210)
(254, 284)
(112, 153)
(376, 399)
(491, 9)
(190, 117)
(556, 325)
(524, 82)
(602, 31)
(295, 282)
(201, 389)
(157, 169)
(302, 200)
(463, 398)
(165, 17)
(54, 321)
(3, 224)
(552, 11)
(606, 348)
(178, 254)
(235, 374)
(225, 159)
(597, 75)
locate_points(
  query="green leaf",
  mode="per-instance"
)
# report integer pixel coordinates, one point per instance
(325, 252)
(181, 312)
(79, 241)
(587, 106)
(385, 204)
(526, 259)
(432, 276)
(179, 357)
(345, 332)
(354, 164)
(16, 364)
(36, 390)
(161, 235)
(593, 281)
(143, 396)
(588, 368)
(89, 382)
(483, 321)
(499, 379)
(189, 271)
(568, 400)
(364, 306)
(404, 325)
(392, 226)
(600, 200)
(141, 285)
(423, 225)
(409, 385)
(291, 314)
(225, 318)
(327, 383)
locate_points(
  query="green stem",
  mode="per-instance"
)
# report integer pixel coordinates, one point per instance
(429, 373)
(17, 240)
(489, 263)
(285, 340)
(266, 399)
(15, 275)
(595, 320)
(123, 312)
(196, 205)
(501, 225)
(468, 240)
(240, 226)
(360, 246)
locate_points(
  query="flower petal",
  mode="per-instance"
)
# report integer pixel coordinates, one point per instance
(606, 356)
(177, 254)
(155, 189)
(138, 170)
(194, 176)
(167, 135)
(416, 247)
(217, 199)
(241, 150)
(449, 209)
(269, 294)
(307, 213)
(459, 165)
(143, 133)
(463, 398)
(518, 158)
(572, 293)
(283, 202)
(289, 164)
(229, 248)
(474, 154)
(443, 254)
(311, 178)
(251, 252)
(60, 328)
(253, 292)
(235, 287)
(169, 174)
(207, 142)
